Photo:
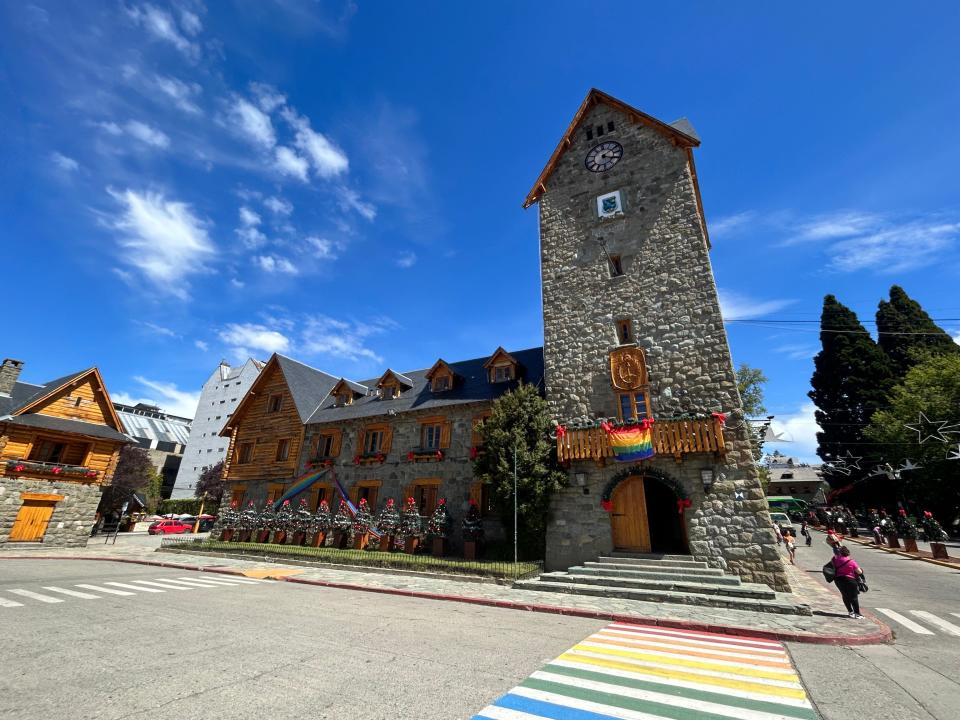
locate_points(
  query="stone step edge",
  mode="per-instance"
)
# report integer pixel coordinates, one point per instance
(770, 606)
(644, 562)
(731, 580)
(706, 571)
(647, 556)
(759, 592)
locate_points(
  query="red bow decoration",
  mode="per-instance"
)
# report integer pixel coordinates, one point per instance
(410, 455)
(683, 504)
(903, 513)
(439, 454)
(722, 417)
(56, 470)
(607, 505)
(356, 459)
(18, 468)
(473, 453)
(561, 431)
(927, 514)
(286, 502)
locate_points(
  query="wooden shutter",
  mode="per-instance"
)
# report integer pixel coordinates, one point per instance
(361, 435)
(475, 492)
(387, 438)
(354, 493)
(445, 430)
(335, 445)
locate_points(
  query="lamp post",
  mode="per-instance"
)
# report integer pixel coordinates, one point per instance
(515, 508)
(196, 525)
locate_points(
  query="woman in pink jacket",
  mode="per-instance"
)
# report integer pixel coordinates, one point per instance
(846, 580)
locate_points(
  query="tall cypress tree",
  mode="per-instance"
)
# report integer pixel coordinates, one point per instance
(906, 332)
(851, 378)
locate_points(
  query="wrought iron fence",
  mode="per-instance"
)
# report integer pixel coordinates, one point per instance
(417, 562)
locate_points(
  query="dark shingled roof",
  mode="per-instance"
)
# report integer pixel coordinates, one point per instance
(25, 393)
(686, 127)
(471, 386)
(48, 422)
(308, 385)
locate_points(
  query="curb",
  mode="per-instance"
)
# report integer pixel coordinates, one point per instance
(893, 551)
(882, 635)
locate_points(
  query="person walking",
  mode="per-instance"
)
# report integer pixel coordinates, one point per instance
(848, 573)
(790, 541)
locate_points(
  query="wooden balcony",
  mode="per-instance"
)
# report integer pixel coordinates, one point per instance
(21, 467)
(674, 438)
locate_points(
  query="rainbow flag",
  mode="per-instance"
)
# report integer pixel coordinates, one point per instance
(630, 442)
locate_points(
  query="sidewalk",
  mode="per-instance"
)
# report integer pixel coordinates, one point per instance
(923, 548)
(826, 626)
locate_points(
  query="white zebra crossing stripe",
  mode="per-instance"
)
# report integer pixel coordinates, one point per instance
(905, 621)
(191, 583)
(125, 586)
(36, 596)
(72, 593)
(947, 627)
(166, 586)
(9, 603)
(109, 591)
(224, 581)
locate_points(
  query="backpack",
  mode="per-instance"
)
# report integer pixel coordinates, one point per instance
(829, 572)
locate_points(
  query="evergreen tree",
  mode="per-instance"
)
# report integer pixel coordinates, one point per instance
(388, 522)
(473, 523)
(322, 521)
(439, 523)
(342, 521)
(411, 525)
(906, 333)
(363, 520)
(284, 520)
(850, 382)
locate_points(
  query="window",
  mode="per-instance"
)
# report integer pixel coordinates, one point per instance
(283, 450)
(502, 373)
(238, 382)
(425, 494)
(275, 403)
(318, 495)
(233, 399)
(372, 441)
(589, 133)
(476, 438)
(236, 497)
(616, 265)
(222, 402)
(326, 444)
(610, 126)
(275, 492)
(430, 435)
(209, 449)
(599, 130)
(633, 406)
(217, 417)
(48, 451)
(366, 490)
(624, 331)
(245, 453)
(344, 398)
(441, 383)
(76, 403)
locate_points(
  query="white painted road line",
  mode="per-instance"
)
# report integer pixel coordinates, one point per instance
(224, 581)
(72, 593)
(109, 591)
(9, 603)
(192, 583)
(125, 586)
(947, 627)
(905, 621)
(166, 586)
(36, 596)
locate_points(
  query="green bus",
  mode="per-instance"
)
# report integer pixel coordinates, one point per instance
(788, 504)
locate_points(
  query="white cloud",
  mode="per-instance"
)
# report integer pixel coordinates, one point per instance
(244, 337)
(406, 259)
(322, 248)
(251, 237)
(62, 162)
(251, 122)
(190, 22)
(201, 345)
(110, 127)
(162, 26)
(147, 134)
(275, 264)
(322, 335)
(737, 306)
(835, 225)
(287, 162)
(237, 283)
(797, 352)
(327, 159)
(248, 217)
(897, 248)
(167, 396)
(161, 238)
(160, 330)
(730, 224)
(799, 431)
(279, 206)
(268, 97)
(350, 200)
(180, 92)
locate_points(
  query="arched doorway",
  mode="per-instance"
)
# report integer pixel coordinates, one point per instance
(644, 515)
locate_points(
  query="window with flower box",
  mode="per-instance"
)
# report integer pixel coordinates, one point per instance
(375, 439)
(326, 445)
(633, 406)
(368, 490)
(435, 433)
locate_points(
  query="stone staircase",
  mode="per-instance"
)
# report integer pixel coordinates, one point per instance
(664, 578)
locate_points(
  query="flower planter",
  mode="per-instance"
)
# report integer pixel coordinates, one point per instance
(360, 541)
(279, 536)
(298, 538)
(410, 545)
(439, 546)
(319, 538)
(386, 543)
(263, 536)
(340, 539)
(910, 545)
(939, 551)
(893, 542)
(226, 535)
(471, 549)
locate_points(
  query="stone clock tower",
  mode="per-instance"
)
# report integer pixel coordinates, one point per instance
(632, 330)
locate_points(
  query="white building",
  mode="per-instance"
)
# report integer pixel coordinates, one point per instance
(221, 393)
(162, 435)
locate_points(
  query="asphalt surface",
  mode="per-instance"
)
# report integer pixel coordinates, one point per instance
(918, 676)
(257, 649)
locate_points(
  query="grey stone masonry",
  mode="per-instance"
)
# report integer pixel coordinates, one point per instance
(667, 291)
(72, 518)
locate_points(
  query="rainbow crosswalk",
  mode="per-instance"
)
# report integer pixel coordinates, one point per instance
(639, 672)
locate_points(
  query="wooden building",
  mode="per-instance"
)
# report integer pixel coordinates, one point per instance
(59, 445)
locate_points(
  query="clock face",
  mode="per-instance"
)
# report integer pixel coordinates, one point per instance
(603, 157)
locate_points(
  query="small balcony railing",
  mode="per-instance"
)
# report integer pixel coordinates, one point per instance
(674, 438)
(36, 467)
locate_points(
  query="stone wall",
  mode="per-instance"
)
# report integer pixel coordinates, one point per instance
(72, 518)
(668, 292)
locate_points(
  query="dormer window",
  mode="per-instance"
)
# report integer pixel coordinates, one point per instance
(392, 384)
(389, 392)
(441, 377)
(501, 367)
(502, 373)
(345, 392)
(440, 383)
(274, 403)
(344, 398)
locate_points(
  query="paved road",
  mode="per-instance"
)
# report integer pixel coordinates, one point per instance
(916, 677)
(104, 640)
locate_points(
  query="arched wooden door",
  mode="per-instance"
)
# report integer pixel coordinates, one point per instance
(628, 516)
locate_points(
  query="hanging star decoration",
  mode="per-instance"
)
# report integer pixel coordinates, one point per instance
(954, 454)
(927, 429)
(880, 470)
(837, 466)
(908, 464)
(852, 461)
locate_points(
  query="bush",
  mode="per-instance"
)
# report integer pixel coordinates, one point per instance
(186, 506)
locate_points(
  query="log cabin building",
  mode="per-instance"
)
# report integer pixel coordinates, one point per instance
(59, 446)
(632, 332)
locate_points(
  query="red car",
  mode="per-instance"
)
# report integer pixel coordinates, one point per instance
(169, 527)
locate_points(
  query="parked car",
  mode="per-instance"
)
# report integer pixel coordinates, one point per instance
(169, 527)
(206, 522)
(783, 520)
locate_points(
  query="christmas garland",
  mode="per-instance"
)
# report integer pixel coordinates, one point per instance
(606, 501)
(599, 423)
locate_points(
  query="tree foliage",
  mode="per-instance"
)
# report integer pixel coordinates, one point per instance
(907, 334)
(750, 382)
(851, 378)
(520, 420)
(134, 473)
(211, 483)
(932, 387)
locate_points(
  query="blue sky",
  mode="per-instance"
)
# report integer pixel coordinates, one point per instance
(342, 181)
